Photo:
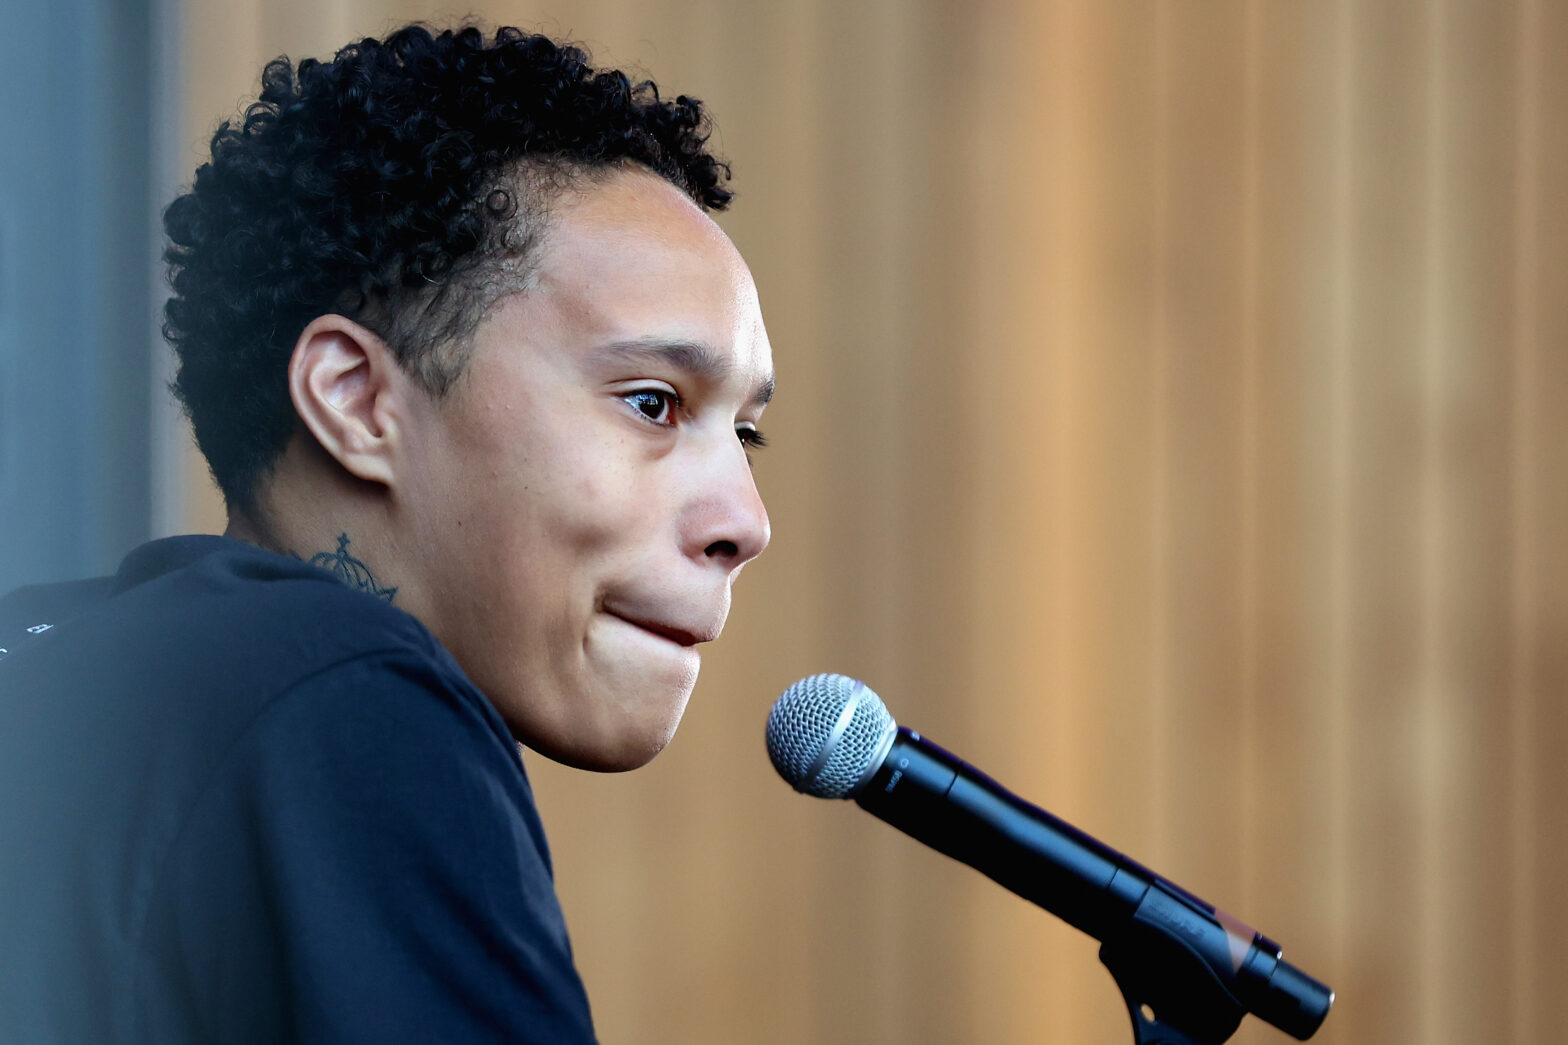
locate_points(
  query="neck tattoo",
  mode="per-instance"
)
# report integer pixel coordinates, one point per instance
(350, 570)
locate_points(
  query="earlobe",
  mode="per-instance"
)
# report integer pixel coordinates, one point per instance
(345, 384)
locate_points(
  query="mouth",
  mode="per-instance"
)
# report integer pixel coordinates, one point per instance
(673, 633)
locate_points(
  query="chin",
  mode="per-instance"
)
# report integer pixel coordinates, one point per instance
(624, 750)
(606, 735)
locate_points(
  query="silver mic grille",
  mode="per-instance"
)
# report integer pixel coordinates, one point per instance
(827, 734)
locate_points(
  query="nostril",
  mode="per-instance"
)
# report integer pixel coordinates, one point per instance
(722, 550)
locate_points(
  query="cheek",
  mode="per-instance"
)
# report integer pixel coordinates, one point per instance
(556, 519)
(545, 532)
(593, 509)
(547, 490)
(598, 497)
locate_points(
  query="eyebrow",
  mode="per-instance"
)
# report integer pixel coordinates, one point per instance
(695, 357)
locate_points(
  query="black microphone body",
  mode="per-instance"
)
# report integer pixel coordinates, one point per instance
(1175, 946)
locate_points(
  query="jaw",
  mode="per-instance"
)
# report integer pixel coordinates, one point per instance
(606, 697)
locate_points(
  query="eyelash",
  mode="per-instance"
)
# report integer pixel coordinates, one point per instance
(670, 403)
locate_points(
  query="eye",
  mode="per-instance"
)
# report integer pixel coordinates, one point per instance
(750, 439)
(657, 405)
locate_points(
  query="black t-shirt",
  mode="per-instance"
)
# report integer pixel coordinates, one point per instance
(241, 802)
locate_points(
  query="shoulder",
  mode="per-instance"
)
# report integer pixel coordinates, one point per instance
(376, 744)
(213, 597)
(199, 641)
(29, 612)
(275, 595)
(252, 620)
(373, 830)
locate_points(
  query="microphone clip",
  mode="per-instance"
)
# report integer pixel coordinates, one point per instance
(1172, 994)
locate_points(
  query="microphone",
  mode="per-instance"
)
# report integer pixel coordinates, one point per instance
(1195, 966)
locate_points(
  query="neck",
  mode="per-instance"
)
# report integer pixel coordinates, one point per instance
(328, 520)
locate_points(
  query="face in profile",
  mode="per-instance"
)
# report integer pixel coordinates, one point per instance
(583, 494)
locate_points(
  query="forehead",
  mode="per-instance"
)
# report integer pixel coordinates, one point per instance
(630, 251)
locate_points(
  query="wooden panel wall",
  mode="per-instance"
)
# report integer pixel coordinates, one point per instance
(1173, 420)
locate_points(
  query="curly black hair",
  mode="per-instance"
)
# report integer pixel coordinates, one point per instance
(403, 184)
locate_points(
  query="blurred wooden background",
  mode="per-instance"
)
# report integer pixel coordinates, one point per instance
(1173, 420)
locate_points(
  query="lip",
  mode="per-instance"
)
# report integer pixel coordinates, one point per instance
(681, 636)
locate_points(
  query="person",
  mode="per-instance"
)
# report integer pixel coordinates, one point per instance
(480, 380)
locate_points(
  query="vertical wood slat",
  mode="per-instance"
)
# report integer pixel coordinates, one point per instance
(1252, 571)
(1330, 606)
(1151, 385)
(1428, 720)
(1301, 312)
(1467, 399)
(1381, 519)
(1018, 152)
(1524, 974)
(1542, 583)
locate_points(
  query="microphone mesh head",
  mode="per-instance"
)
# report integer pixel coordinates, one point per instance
(827, 734)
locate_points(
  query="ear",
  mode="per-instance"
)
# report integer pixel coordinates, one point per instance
(348, 390)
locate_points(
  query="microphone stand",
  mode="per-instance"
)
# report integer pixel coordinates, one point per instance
(1187, 971)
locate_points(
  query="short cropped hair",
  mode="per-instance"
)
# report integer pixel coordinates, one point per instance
(403, 184)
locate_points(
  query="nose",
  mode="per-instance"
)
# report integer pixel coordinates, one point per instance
(727, 523)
